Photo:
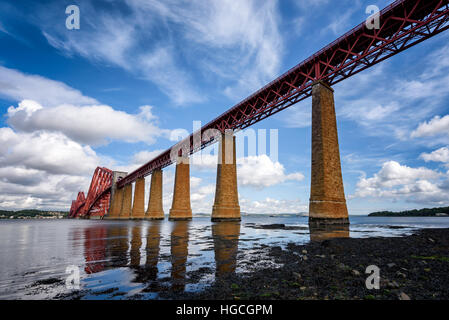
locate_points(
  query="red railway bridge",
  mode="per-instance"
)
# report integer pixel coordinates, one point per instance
(403, 24)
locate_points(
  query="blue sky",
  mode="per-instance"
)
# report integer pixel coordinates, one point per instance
(137, 73)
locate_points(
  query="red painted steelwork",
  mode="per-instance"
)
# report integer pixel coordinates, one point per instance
(77, 205)
(98, 198)
(403, 24)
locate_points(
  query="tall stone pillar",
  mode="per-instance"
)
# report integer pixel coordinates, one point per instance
(155, 210)
(127, 200)
(180, 209)
(116, 204)
(116, 200)
(226, 205)
(327, 197)
(138, 211)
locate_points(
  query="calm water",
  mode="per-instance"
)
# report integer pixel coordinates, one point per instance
(139, 259)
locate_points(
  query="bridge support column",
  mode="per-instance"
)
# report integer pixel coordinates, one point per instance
(226, 205)
(116, 204)
(155, 209)
(116, 196)
(327, 197)
(181, 209)
(127, 199)
(138, 211)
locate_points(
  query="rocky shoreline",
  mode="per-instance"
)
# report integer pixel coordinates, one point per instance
(411, 267)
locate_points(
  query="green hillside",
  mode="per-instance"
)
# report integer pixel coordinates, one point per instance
(426, 212)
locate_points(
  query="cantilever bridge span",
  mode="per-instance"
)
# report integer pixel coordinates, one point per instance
(403, 24)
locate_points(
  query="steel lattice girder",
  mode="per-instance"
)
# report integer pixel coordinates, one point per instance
(403, 24)
(98, 196)
(99, 192)
(77, 205)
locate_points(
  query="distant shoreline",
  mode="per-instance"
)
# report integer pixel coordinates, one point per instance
(32, 214)
(426, 212)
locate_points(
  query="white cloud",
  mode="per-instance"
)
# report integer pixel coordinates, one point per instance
(42, 170)
(18, 86)
(261, 171)
(95, 124)
(440, 155)
(123, 40)
(160, 67)
(200, 194)
(272, 206)
(236, 40)
(134, 162)
(204, 161)
(45, 156)
(143, 157)
(393, 174)
(107, 37)
(53, 192)
(396, 181)
(49, 152)
(436, 126)
(21, 176)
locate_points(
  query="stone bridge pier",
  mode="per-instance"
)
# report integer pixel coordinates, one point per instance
(155, 209)
(226, 205)
(327, 197)
(181, 209)
(116, 203)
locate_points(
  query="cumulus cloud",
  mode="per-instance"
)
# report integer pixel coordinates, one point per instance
(46, 155)
(201, 193)
(53, 192)
(261, 171)
(94, 124)
(143, 157)
(440, 155)
(49, 152)
(15, 85)
(393, 174)
(253, 171)
(42, 169)
(270, 206)
(21, 176)
(396, 181)
(436, 126)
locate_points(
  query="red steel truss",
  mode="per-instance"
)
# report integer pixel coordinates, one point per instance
(403, 24)
(77, 204)
(98, 197)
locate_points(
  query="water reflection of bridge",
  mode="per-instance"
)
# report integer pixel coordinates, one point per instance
(138, 246)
